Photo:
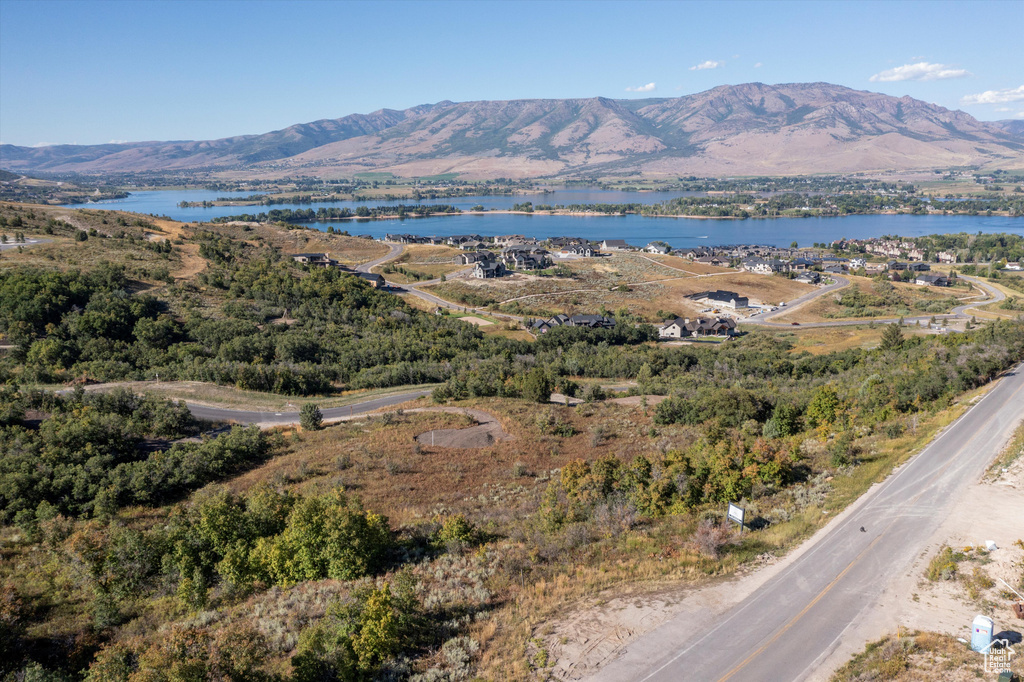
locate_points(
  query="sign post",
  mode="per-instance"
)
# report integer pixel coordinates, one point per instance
(736, 514)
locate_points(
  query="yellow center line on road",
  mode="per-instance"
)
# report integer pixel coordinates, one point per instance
(742, 664)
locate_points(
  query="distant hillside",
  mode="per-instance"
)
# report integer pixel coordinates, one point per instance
(1012, 126)
(751, 129)
(241, 151)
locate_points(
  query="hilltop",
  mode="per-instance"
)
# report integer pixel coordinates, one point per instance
(749, 129)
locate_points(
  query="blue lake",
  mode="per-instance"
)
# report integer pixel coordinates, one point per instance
(637, 230)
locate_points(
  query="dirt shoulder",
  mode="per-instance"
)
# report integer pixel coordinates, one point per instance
(990, 509)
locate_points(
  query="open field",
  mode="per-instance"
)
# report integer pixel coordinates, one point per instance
(426, 260)
(874, 300)
(111, 236)
(378, 458)
(348, 251)
(645, 287)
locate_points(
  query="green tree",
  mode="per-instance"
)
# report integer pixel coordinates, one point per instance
(326, 536)
(310, 417)
(537, 386)
(823, 408)
(644, 377)
(892, 337)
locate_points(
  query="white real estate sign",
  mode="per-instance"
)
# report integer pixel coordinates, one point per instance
(736, 514)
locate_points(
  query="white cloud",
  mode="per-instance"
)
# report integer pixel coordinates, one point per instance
(641, 88)
(1019, 114)
(1003, 109)
(921, 71)
(995, 96)
(46, 144)
(118, 142)
(707, 64)
(758, 65)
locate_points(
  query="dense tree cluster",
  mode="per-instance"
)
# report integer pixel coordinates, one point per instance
(94, 453)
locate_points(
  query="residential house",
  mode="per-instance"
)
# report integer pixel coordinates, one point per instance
(808, 277)
(405, 238)
(834, 269)
(661, 249)
(615, 245)
(592, 321)
(371, 278)
(473, 257)
(513, 240)
(801, 264)
(932, 281)
(562, 320)
(858, 263)
(582, 250)
(764, 267)
(460, 239)
(919, 267)
(711, 260)
(321, 259)
(721, 299)
(518, 260)
(1013, 266)
(488, 270)
(685, 327)
(896, 265)
(947, 257)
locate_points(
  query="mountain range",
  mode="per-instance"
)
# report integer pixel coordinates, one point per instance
(750, 129)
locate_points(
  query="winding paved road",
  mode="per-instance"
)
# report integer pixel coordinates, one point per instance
(787, 627)
(993, 295)
(10, 245)
(395, 251)
(282, 418)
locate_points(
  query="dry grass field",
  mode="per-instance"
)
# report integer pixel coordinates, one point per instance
(426, 260)
(348, 251)
(378, 459)
(905, 300)
(641, 285)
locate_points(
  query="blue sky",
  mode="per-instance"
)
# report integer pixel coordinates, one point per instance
(93, 72)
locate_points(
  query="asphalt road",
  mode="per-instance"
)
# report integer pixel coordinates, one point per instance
(395, 252)
(763, 319)
(959, 312)
(281, 418)
(11, 244)
(784, 629)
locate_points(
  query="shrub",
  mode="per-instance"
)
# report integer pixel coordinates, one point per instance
(711, 537)
(310, 417)
(943, 565)
(456, 532)
(537, 386)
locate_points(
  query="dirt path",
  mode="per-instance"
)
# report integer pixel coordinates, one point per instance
(487, 430)
(191, 262)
